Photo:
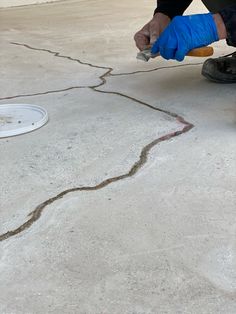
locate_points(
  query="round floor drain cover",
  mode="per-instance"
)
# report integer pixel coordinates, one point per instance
(18, 119)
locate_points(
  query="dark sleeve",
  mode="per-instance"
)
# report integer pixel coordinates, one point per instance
(172, 8)
(229, 16)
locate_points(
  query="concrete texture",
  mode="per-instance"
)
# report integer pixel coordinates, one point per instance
(124, 202)
(17, 3)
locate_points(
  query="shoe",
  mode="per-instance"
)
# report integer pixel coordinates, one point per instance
(221, 70)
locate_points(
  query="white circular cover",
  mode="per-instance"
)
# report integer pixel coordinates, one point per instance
(18, 119)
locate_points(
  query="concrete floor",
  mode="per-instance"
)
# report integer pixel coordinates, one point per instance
(16, 3)
(125, 201)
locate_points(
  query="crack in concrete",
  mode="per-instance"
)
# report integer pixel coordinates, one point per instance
(158, 68)
(102, 77)
(45, 93)
(37, 212)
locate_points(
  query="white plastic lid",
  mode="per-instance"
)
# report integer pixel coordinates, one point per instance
(18, 119)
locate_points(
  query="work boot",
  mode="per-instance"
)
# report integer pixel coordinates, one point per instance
(221, 70)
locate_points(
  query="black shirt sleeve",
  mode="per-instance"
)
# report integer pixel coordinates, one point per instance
(229, 16)
(172, 8)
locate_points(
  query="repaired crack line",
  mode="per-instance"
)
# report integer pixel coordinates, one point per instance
(37, 212)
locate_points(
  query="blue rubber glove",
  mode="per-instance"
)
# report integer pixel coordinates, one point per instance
(185, 33)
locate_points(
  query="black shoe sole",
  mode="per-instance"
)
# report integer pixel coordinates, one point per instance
(215, 80)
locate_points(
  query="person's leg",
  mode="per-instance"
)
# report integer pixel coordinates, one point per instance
(215, 6)
(221, 70)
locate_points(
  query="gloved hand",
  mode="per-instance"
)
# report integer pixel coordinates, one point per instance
(185, 33)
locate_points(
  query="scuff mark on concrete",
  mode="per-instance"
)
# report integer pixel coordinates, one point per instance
(37, 212)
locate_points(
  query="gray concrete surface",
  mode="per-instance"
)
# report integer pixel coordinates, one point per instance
(17, 3)
(125, 201)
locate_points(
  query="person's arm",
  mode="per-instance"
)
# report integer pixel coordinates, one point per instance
(165, 11)
(172, 8)
(229, 17)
